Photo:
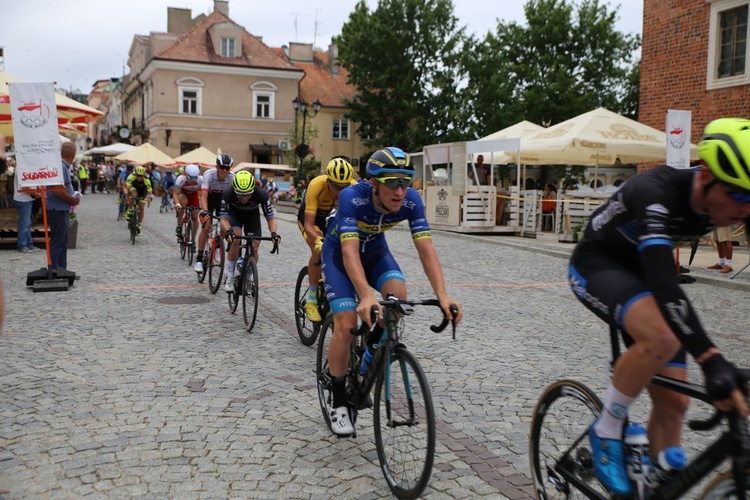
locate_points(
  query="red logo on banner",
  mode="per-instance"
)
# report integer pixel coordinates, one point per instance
(34, 114)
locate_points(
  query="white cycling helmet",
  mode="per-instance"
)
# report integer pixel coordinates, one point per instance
(192, 171)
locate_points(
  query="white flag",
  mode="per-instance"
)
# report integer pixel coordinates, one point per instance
(35, 131)
(678, 138)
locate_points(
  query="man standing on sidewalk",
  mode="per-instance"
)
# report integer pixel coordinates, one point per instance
(58, 210)
(723, 238)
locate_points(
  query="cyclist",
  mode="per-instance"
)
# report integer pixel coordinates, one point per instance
(623, 271)
(240, 209)
(167, 183)
(185, 193)
(321, 197)
(215, 182)
(122, 179)
(138, 186)
(356, 257)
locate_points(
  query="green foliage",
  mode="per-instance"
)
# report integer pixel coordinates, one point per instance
(403, 58)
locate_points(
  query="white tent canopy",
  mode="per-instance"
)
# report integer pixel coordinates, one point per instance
(111, 150)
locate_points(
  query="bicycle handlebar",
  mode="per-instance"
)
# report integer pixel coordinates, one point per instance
(392, 301)
(743, 376)
(252, 237)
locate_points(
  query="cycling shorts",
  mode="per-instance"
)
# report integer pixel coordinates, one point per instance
(320, 225)
(141, 191)
(193, 199)
(249, 221)
(214, 205)
(379, 266)
(608, 289)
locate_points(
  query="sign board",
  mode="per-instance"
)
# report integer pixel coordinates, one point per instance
(678, 138)
(441, 206)
(35, 130)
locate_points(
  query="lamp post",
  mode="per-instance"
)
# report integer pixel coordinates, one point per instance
(301, 107)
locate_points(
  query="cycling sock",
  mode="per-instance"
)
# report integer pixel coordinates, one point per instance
(230, 267)
(200, 254)
(338, 389)
(312, 295)
(614, 413)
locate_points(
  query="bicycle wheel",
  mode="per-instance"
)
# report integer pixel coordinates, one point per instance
(120, 210)
(215, 265)
(190, 238)
(723, 487)
(250, 293)
(561, 458)
(306, 329)
(133, 225)
(183, 242)
(324, 380)
(404, 423)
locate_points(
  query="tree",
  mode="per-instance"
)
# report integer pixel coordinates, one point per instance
(566, 61)
(403, 59)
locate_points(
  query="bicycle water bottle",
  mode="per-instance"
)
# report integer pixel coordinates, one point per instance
(637, 458)
(669, 461)
(367, 358)
(238, 267)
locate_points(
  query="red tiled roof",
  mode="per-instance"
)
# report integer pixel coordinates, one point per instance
(319, 83)
(195, 46)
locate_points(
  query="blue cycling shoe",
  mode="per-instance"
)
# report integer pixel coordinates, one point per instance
(609, 463)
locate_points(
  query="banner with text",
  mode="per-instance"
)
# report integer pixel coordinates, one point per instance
(678, 138)
(34, 115)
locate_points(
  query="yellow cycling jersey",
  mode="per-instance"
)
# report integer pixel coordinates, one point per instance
(133, 182)
(318, 200)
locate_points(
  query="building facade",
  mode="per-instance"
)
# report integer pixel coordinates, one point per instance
(694, 57)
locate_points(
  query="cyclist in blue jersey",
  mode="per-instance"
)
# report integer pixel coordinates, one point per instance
(623, 271)
(356, 258)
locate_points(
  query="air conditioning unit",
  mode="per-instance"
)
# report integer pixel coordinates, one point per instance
(285, 145)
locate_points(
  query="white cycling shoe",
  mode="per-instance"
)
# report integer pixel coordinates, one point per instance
(341, 422)
(199, 267)
(229, 284)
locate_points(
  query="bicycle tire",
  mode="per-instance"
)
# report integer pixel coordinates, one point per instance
(190, 242)
(564, 444)
(722, 487)
(215, 265)
(323, 378)
(250, 293)
(120, 210)
(234, 296)
(181, 241)
(404, 421)
(133, 226)
(306, 329)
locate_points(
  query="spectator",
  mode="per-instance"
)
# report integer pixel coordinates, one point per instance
(483, 172)
(58, 210)
(24, 202)
(722, 236)
(83, 176)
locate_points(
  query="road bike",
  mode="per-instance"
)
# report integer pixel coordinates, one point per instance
(122, 206)
(166, 202)
(133, 221)
(308, 330)
(404, 418)
(186, 239)
(246, 279)
(213, 257)
(562, 460)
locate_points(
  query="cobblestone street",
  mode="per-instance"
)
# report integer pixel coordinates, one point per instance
(139, 382)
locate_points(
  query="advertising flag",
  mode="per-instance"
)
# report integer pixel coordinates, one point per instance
(678, 138)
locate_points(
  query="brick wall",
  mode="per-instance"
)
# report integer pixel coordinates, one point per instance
(673, 67)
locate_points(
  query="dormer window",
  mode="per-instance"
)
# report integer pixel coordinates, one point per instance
(227, 47)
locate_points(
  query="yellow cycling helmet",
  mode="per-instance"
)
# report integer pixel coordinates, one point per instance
(180, 170)
(725, 147)
(140, 170)
(244, 182)
(339, 171)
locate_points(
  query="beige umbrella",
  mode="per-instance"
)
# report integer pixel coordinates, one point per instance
(203, 157)
(69, 112)
(145, 153)
(110, 150)
(599, 137)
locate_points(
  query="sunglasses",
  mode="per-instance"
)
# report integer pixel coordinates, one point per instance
(738, 196)
(244, 195)
(394, 182)
(337, 187)
(192, 178)
(224, 168)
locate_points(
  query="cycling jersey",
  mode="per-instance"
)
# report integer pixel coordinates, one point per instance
(358, 218)
(190, 188)
(246, 215)
(215, 188)
(168, 181)
(318, 201)
(626, 252)
(142, 186)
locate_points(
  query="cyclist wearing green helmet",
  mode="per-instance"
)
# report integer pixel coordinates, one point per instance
(139, 186)
(240, 210)
(623, 271)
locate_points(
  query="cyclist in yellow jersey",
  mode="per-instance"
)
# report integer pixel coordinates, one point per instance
(138, 186)
(321, 197)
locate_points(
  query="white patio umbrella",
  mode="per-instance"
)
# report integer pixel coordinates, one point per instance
(110, 150)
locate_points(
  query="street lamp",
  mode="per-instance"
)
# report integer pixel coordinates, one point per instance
(301, 107)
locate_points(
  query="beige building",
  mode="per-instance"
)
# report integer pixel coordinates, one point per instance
(208, 82)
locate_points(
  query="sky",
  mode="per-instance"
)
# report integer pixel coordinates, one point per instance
(77, 42)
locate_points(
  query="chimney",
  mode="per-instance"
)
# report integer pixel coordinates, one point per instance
(333, 59)
(222, 6)
(179, 20)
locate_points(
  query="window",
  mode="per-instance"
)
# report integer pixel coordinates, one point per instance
(727, 42)
(262, 106)
(367, 133)
(190, 92)
(264, 98)
(227, 47)
(186, 147)
(340, 128)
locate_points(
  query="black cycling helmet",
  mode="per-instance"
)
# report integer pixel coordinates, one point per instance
(224, 160)
(389, 161)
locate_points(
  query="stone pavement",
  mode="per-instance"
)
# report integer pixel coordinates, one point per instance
(139, 383)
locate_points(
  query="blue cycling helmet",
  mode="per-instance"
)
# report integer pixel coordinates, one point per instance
(389, 160)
